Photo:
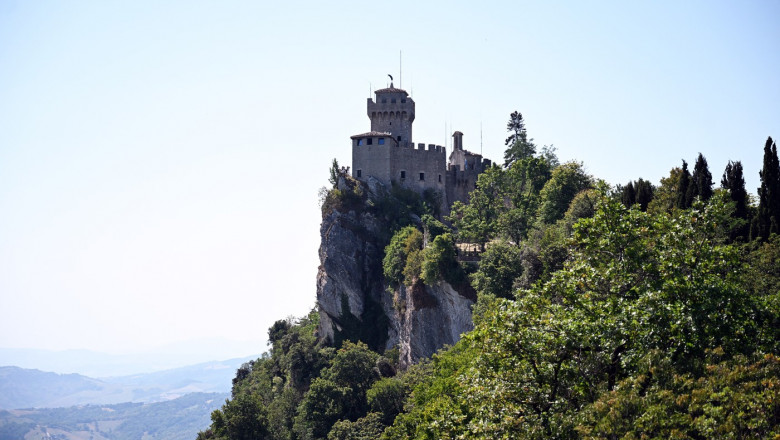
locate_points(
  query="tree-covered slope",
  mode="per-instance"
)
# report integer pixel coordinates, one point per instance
(635, 311)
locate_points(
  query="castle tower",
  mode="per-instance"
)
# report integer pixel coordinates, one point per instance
(392, 112)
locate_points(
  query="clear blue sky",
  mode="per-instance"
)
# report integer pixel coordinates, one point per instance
(159, 163)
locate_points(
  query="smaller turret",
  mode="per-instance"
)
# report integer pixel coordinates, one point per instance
(458, 140)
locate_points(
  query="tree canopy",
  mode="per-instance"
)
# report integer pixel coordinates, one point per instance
(637, 311)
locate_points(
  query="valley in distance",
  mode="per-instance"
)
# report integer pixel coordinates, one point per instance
(122, 397)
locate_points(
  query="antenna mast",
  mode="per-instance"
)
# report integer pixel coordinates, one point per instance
(480, 137)
(401, 69)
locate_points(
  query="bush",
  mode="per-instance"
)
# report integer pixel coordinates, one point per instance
(404, 243)
(440, 260)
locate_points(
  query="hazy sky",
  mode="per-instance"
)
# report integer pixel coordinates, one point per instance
(159, 163)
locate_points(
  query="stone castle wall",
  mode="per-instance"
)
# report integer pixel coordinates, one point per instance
(418, 168)
(460, 182)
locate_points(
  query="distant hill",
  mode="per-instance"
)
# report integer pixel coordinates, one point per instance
(97, 364)
(26, 388)
(177, 419)
(22, 388)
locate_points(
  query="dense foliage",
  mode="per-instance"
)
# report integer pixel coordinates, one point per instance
(629, 312)
(634, 284)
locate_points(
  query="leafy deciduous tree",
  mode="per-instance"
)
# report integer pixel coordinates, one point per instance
(565, 182)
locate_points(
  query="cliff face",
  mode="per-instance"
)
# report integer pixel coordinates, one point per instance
(432, 316)
(353, 298)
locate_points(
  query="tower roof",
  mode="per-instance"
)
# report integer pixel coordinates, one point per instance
(371, 134)
(391, 89)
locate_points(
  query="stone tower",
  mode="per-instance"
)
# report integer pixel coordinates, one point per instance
(393, 112)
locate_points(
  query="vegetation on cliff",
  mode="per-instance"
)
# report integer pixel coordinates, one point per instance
(627, 312)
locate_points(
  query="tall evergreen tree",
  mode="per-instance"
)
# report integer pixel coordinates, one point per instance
(682, 187)
(701, 181)
(515, 126)
(644, 193)
(767, 219)
(734, 181)
(518, 145)
(629, 195)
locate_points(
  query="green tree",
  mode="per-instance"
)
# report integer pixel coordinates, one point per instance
(339, 393)
(665, 197)
(476, 222)
(701, 181)
(432, 228)
(437, 408)
(519, 146)
(734, 182)
(499, 269)
(440, 260)
(386, 398)
(242, 418)
(278, 330)
(565, 182)
(515, 126)
(628, 195)
(767, 220)
(369, 427)
(407, 241)
(334, 173)
(734, 399)
(760, 275)
(683, 195)
(523, 182)
(644, 193)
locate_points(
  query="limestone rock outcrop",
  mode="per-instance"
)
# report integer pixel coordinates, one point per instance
(353, 298)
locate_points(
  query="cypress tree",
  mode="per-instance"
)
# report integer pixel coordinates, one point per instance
(682, 187)
(701, 181)
(629, 195)
(767, 219)
(644, 193)
(734, 181)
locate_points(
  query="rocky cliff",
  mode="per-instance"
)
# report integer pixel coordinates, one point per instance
(353, 298)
